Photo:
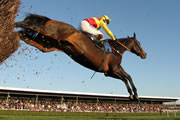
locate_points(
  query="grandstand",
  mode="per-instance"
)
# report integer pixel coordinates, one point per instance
(50, 100)
(34, 93)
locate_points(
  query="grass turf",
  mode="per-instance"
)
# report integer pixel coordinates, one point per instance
(27, 115)
(22, 117)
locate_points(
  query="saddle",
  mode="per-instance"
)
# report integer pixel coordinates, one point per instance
(102, 44)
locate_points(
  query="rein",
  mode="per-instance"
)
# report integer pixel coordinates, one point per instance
(124, 46)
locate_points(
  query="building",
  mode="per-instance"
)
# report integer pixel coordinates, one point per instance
(6, 92)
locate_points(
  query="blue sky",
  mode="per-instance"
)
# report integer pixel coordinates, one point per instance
(157, 26)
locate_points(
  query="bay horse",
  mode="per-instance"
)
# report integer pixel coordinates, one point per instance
(48, 35)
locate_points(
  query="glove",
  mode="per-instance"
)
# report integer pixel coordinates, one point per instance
(114, 38)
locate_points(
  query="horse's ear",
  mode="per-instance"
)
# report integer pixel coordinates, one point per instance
(134, 35)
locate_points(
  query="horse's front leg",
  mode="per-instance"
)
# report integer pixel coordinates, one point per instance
(118, 72)
(128, 77)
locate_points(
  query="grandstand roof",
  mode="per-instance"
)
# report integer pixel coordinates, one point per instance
(25, 91)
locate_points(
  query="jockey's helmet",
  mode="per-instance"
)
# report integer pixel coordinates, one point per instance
(105, 18)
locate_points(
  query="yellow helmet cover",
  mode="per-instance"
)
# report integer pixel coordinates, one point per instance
(106, 18)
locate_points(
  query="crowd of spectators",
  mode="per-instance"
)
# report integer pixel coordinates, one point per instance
(74, 106)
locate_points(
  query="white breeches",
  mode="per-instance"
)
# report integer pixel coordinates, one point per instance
(86, 27)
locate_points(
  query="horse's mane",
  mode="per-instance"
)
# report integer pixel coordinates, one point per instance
(121, 39)
(117, 46)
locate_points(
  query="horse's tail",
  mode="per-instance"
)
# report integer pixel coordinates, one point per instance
(33, 19)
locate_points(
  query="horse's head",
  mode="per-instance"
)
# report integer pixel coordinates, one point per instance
(136, 48)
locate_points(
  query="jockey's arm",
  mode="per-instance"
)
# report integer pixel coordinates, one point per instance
(106, 29)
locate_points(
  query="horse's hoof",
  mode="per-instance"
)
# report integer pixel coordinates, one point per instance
(136, 97)
(131, 97)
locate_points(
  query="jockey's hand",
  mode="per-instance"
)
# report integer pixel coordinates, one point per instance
(114, 38)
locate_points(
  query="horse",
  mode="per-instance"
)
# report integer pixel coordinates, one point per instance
(48, 35)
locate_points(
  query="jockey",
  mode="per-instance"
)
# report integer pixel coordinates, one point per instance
(93, 24)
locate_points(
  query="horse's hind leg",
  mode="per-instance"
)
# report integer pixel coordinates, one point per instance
(32, 27)
(33, 39)
(33, 22)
